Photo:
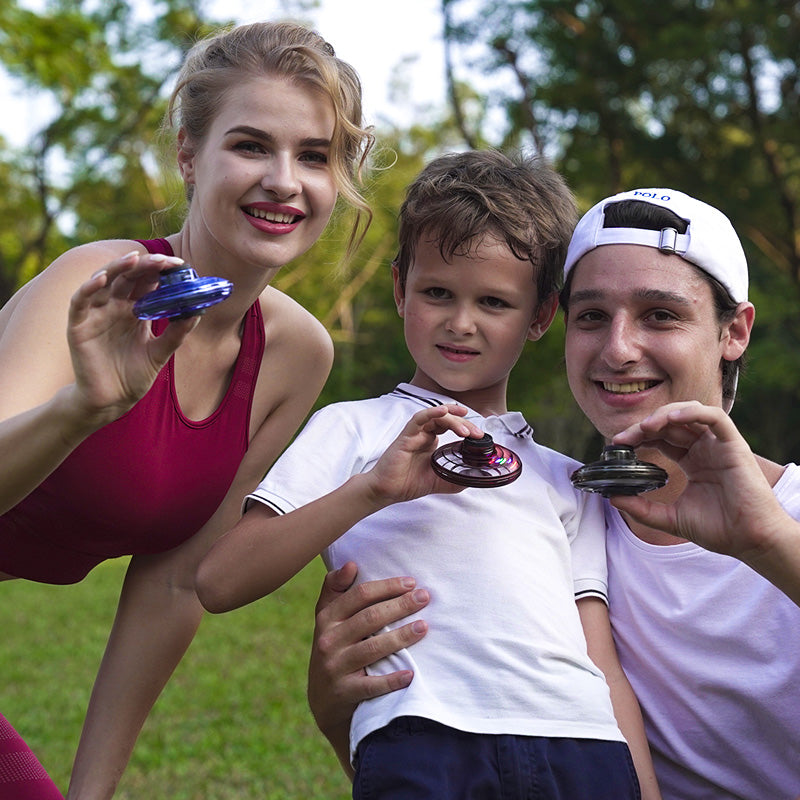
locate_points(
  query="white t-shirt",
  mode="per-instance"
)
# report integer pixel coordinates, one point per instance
(505, 651)
(712, 650)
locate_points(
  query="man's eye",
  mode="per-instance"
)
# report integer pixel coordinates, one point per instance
(589, 316)
(661, 315)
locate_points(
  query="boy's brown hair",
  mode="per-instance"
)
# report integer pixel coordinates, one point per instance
(461, 197)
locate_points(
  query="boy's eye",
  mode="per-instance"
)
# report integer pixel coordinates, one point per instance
(495, 302)
(437, 292)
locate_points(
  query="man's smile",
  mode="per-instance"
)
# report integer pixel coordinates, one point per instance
(627, 388)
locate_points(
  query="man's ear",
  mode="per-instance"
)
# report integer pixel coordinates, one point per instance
(186, 155)
(399, 294)
(543, 318)
(736, 334)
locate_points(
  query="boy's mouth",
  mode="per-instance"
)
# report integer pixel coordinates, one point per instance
(459, 351)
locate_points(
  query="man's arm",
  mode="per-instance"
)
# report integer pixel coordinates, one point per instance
(349, 635)
(728, 505)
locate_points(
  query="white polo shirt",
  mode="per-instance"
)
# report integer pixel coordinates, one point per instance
(505, 651)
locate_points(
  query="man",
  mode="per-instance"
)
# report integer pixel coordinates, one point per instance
(657, 322)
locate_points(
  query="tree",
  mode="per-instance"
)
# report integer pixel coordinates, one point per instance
(93, 170)
(703, 95)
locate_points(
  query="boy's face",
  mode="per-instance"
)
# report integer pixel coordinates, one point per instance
(642, 331)
(466, 320)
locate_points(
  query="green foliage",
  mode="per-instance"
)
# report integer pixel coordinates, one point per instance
(699, 94)
(91, 171)
(702, 95)
(232, 724)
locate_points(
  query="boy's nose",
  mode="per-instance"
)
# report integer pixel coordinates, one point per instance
(461, 321)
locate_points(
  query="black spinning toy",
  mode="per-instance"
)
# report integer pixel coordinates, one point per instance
(618, 472)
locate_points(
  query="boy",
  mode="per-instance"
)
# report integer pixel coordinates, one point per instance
(505, 697)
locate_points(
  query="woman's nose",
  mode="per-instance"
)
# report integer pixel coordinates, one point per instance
(280, 178)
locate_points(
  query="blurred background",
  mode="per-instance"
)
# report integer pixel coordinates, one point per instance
(700, 95)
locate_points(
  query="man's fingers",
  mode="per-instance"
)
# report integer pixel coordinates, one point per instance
(368, 651)
(365, 595)
(336, 582)
(365, 687)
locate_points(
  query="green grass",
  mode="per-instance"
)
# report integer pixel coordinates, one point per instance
(233, 723)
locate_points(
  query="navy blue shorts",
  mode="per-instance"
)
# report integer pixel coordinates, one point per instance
(414, 758)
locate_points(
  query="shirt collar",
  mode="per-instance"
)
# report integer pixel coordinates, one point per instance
(513, 421)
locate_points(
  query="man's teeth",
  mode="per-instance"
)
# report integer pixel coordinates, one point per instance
(270, 216)
(627, 388)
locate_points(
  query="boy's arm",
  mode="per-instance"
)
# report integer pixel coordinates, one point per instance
(603, 652)
(264, 549)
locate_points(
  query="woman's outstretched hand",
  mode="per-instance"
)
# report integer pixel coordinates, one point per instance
(114, 354)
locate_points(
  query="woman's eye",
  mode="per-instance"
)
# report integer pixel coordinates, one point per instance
(315, 157)
(249, 147)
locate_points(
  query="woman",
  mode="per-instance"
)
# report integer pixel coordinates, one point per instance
(189, 414)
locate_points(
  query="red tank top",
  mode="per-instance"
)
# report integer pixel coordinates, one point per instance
(142, 484)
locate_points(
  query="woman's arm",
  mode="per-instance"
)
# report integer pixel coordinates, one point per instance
(73, 360)
(603, 652)
(158, 612)
(156, 620)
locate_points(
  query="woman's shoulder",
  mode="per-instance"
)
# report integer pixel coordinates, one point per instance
(289, 324)
(49, 290)
(84, 260)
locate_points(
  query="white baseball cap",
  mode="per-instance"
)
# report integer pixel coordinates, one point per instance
(710, 241)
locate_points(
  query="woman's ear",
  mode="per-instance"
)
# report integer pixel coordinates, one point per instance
(186, 155)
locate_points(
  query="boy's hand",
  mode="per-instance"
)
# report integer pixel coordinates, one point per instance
(404, 471)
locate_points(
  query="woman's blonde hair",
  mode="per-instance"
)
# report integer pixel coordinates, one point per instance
(286, 50)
